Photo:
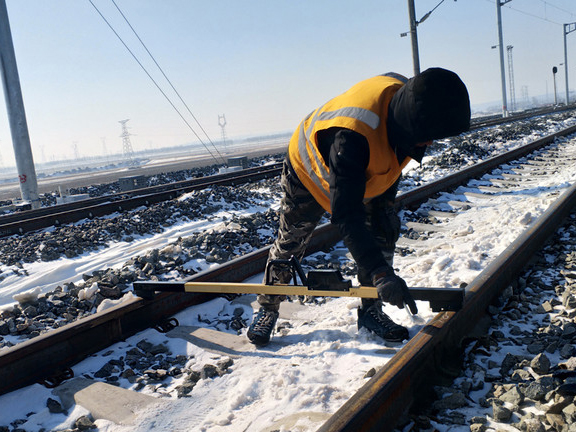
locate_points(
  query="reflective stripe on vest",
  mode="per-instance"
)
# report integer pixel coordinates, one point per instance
(370, 118)
(303, 144)
(361, 114)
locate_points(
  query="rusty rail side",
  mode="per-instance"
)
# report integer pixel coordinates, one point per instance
(383, 400)
(41, 357)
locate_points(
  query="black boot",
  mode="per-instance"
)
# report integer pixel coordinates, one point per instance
(372, 318)
(262, 326)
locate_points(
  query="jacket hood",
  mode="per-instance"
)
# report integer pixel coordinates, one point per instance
(432, 105)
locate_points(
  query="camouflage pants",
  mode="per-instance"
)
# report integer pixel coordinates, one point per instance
(299, 216)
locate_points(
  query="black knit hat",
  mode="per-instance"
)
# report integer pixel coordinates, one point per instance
(432, 105)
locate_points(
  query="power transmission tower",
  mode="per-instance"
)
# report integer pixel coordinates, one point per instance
(511, 78)
(524, 93)
(127, 151)
(75, 148)
(222, 124)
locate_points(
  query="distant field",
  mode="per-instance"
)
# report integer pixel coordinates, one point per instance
(51, 184)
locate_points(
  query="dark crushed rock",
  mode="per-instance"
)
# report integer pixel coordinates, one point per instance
(521, 374)
(74, 240)
(236, 236)
(84, 423)
(54, 406)
(154, 366)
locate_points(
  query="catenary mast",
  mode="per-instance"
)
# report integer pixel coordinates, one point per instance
(16, 113)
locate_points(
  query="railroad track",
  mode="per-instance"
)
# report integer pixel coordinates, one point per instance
(497, 119)
(399, 383)
(35, 219)
(403, 381)
(32, 220)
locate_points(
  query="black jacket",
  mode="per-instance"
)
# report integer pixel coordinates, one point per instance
(432, 105)
(347, 154)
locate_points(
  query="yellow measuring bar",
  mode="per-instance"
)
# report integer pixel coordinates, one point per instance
(296, 290)
(440, 299)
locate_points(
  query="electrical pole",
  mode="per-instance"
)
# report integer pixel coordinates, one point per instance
(413, 33)
(554, 71)
(511, 78)
(414, 36)
(16, 113)
(499, 4)
(568, 28)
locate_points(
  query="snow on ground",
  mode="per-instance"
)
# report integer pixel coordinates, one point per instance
(312, 367)
(307, 370)
(49, 275)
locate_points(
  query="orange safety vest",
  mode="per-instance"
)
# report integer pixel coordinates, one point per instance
(363, 109)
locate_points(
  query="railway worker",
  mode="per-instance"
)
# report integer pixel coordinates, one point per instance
(346, 158)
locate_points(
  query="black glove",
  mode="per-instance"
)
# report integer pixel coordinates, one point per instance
(392, 289)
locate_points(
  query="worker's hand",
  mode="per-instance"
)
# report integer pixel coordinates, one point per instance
(392, 289)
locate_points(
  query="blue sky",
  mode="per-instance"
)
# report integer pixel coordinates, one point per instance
(264, 64)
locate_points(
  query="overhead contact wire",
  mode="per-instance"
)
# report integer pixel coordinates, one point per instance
(155, 83)
(167, 79)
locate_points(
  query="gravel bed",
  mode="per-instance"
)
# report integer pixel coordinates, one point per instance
(521, 375)
(97, 190)
(238, 236)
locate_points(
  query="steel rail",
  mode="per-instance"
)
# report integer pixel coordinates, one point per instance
(404, 381)
(497, 120)
(33, 220)
(43, 356)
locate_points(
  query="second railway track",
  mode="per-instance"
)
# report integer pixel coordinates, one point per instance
(35, 219)
(396, 386)
(32, 220)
